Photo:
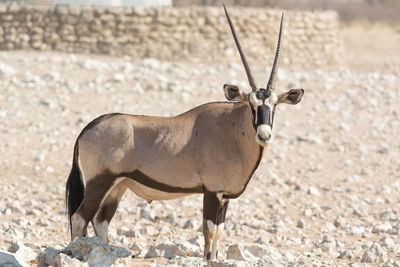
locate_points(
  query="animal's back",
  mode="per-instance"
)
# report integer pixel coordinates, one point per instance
(193, 149)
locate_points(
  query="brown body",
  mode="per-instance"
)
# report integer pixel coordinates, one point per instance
(212, 149)
(209, 148)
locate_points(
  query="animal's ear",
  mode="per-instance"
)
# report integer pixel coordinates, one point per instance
(293, 96)
(233, 93)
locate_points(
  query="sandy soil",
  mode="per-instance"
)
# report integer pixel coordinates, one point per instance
(326, 190)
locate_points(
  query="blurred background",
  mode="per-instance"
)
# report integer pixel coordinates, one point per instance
(349, 10)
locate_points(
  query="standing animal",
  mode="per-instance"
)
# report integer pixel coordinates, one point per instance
(212, 149)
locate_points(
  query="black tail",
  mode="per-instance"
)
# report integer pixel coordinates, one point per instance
(74, 190)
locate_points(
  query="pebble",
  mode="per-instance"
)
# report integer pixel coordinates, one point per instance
(95, 250)
(355, 230)
(313, 191)
(6, 70)
(382, 227)
(124, 230)
(301, 224)
(374, 253)
(8, 259)
(170, 250)
(347, 254)
(387, 242)
(285, 207)
(22, 253)
(328, 227)
(188, 224)
(147, 213)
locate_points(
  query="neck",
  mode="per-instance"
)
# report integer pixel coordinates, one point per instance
(245, 130)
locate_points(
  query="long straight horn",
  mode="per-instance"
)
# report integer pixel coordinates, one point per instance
(274, 72)
(242, 55)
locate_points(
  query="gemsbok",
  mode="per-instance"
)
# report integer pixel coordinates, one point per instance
(212, 149)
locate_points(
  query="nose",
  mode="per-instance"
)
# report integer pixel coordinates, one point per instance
(264, 134)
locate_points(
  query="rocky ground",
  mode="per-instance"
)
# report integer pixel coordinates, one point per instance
(326, 193)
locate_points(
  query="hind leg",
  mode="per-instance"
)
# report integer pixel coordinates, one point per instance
(107, 210)
(95, 192)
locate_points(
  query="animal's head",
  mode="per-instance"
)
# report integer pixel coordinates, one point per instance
(263, 102)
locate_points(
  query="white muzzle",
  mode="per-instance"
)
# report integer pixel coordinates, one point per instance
(264, 134)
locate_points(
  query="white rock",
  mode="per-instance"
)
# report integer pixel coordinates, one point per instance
(392, 263)
(248, 252)
(151, 63)
(149, 230)
(382, 227)
(236, 252)
(360, 212)
(136, 249)
(49, 257)
(123, 262)
(359, 264)
(82, 247)
(119, 77)
(147, 213)
(137, 88)
(328, 227)
(15, 207)
(307, 212)
(124, 230)
(6, 70)
(347, 254)
(196, 240)
(229, 263)
(67, 261)
(387, 242)
(101, 256)
(375, 253)
(340, 222)
(355, 230)
(384, 190)
(387, 215)
(313, 191)
(327, 244)
(23, 253)
(8, 259)
(170, 250)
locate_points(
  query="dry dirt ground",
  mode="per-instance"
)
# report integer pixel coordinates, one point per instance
(327, 191)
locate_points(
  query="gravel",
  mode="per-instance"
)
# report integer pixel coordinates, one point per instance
(326, 192)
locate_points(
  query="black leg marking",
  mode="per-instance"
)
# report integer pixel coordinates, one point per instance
(110, 204)
(211, 205)
(106, 211)
(95, 191)
(209, 256)
(214, 212)
(222, 212)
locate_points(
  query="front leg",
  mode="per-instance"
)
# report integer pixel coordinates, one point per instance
(214, 211)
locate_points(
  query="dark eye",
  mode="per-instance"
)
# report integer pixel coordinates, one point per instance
(292, 93)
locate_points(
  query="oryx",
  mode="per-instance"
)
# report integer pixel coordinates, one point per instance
(212, 149)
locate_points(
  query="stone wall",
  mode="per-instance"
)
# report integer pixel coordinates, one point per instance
(196, 33)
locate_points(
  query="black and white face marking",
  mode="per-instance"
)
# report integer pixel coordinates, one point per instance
(263, 102)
